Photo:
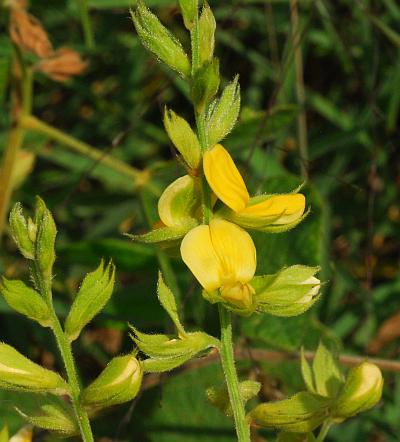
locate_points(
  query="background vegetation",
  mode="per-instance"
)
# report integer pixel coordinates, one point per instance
(351, 70)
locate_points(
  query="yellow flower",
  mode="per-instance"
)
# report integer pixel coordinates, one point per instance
(225, 180)
(222, 257)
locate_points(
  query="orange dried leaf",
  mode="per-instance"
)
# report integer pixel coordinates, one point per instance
(27, 33)
(62, 64)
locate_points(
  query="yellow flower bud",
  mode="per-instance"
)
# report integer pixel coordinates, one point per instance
(361, 391)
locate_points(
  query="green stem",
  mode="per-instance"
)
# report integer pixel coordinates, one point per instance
(324, 431)
(226, 352)
(66, 353)
(232, 382)
(138, 177)
(86, 23)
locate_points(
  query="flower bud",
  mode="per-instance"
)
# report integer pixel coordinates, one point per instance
(93, 295)
(19, 373)
(183, 138)
(25, 434)
(301, 413)
(26, 301)
(361, 391)
(289, 292)
(189, 12)
(119, 382)
(157, 39)
(45, 239)
(207, 27)
(206, 83)
(180, 202)
(22, 232)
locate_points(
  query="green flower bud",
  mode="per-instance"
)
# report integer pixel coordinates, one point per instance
(189, 12)
(180, 202)
(157, 39)
(119, 382)
(301, 413)
(26, 301)
(51, 413)
(206, 83)
(183, 138)
(45, 239)
(95, 292)
(361, 391)
(21, 231)
(207, 27)
(289, 292)
(19, 373)
(223, 113)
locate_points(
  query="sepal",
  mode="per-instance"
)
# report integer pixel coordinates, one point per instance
(223, 113)
(290, 292)
(157, 39)
(189, 12)
(216, 296)
(295, 437)
(51, 413)
(164, 236)
(93, 295)
(207, 27)
(119, 382)
(21, 232)
(166, 354)
(301, 413)
(19, 373)
(183, 138)
(219, 397)
(26, 301)
(206, 83)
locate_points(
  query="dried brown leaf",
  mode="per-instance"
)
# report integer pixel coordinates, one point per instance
(28, 34)
(62, 64)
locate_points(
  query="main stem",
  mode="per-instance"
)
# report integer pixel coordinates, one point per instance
(68, 359)
(232, 381)
(226, 352)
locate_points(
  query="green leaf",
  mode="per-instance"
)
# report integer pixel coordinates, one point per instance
(205, 83)
(23, 232)
(95, 292)
(327, 372)
(164, 235)
(223, 113)
(51, 413)
(167, 300)
(26, 301)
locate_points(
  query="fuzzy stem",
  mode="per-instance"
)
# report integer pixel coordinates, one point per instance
(324, 431)
(66, 354)
(232, 382)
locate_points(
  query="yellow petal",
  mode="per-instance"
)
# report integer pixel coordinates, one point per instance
(287, 208)
(224, 178)
(198, 254)
(235, 250)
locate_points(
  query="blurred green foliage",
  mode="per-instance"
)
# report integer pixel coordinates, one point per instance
(352, 78)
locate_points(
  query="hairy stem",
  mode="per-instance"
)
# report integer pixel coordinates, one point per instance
(232, 382)
(226, 353)
(324, 431)
(66, 354)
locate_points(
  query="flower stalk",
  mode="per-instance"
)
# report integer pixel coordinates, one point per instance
(226, 351)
